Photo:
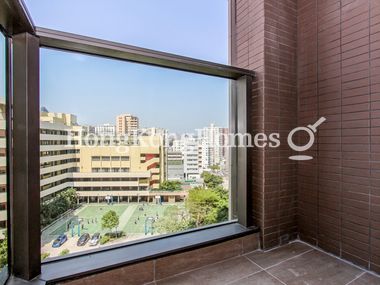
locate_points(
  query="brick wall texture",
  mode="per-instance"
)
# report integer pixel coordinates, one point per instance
(315, 58)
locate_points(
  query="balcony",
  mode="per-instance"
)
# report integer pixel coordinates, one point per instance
(234, 263)
(317, 218)
(295, 263)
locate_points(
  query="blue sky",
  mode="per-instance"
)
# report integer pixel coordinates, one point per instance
(97, 89)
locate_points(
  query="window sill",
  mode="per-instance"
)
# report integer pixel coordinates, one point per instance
(113, 257)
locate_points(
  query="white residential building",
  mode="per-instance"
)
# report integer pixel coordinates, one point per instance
(202, 152)
(212, 139)
(190, 159)
(175, 166)
(178, 145)
(105, 130)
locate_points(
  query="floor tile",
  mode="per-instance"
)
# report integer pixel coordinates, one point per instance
(182, 262)
(367, 279)
(260, 278)
(220, 273)
(266, 259)
(315, 268)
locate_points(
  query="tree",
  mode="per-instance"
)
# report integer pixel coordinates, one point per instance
(64, 252)
(211, 180)
(223, 203)
(4, 251)
(63, 202)
(215, 167)
(202, 205)
(174, 220)
(171, 186)
(207, 206)
(110, 220)
(172, 225)
(71, 196)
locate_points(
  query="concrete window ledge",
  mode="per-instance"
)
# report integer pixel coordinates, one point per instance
(145, 261)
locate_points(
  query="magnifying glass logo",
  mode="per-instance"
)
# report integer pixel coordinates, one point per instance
(311, 130)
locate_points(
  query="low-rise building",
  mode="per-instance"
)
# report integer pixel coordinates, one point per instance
(125, 170)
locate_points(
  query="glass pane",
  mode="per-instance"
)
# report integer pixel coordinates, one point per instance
(194, 28)
(128, 151)
(3, 164)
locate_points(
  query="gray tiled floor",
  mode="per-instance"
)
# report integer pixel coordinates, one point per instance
(295, 263)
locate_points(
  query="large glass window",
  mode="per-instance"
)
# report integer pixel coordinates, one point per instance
(3, 163)
(150, 155)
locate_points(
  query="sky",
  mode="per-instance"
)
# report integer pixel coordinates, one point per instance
(97, 89)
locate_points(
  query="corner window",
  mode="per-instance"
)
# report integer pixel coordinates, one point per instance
(117, 143)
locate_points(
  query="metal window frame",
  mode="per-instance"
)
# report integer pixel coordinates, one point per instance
(25, 223)
(24, 177)
(8, 167)
(108, 49)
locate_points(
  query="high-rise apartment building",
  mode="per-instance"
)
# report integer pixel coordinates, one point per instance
(190, 159)
(126, 124)
(213, 138)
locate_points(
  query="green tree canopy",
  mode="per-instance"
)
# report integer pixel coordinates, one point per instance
(206, 206)
(70, 195)
(55, 207)
(174, 220)
(215, 167)
(171, 186)
(4, 251)
(110, 220)
(211, 180)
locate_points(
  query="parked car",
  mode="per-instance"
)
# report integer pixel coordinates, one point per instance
(95, 239)
(83, 239)
(60, 240)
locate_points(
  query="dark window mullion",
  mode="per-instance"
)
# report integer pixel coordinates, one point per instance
(26, 161)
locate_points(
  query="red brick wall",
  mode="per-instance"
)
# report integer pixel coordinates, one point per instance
(264, 35)
(337, 43)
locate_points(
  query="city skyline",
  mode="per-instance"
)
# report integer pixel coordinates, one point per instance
(141, 127)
